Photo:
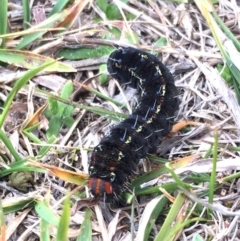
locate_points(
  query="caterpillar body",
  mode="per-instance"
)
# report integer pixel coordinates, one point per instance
(114, 159)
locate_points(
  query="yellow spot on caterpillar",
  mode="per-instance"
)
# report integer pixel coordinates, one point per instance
(158, 70)
(142, 94)
(163, 90)
(139, 129)
(120, 155)
(118, 65)
(158, 109)
(132, 72)
(143, 56)
(149, 121)
(128, 140)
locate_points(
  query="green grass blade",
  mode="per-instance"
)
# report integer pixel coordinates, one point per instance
(167, 231)
(12, 205)
(3, 21)
(18, 85)
(46, 213)
(29, 60)
(86, 227)
(151, 213)
(207, 10)
(48, 23)
(236, 75)
(59, 113)
(44, 150)
(226, 30)
(45, 146)
(44, 230)
(19, 166)
(62, 232)
(178, 226)
(32, 137)
(230, 177)
(104, 97)
(2, 223)
(213, 174)
(9, 146)
(59, 6)
(85, 53)
(44, 224)
(176, 178)
(26, 13)
(116, 116)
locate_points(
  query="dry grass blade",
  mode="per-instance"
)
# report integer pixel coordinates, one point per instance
(228, 50)
(10, 229)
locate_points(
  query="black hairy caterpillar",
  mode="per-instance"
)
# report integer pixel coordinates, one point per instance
(114, 158)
